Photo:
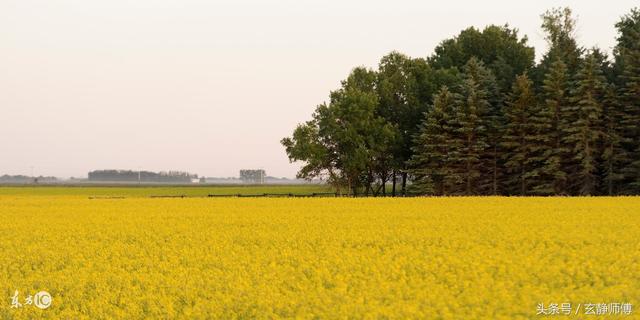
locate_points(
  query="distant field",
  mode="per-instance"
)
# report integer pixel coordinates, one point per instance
(146, 191)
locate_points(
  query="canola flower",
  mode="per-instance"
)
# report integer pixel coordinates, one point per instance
(226, 258)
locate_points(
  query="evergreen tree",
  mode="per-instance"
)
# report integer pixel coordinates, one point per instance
(492, 121)
(555, 117)
(433, 174)
(470, 130)
(572, 128)
(522, 140)
(627, 66)
(613, 155)
(585, 132)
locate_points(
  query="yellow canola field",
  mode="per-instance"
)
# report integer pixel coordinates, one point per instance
(427, 258)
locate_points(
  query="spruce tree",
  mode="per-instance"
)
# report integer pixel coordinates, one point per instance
(432, 173)
(585, 132)
(628, 67)
(522, 140)
(491, 165)
(613, 155)
(470, 133)
(554, 116)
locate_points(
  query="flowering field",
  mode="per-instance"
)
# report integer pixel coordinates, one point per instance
(200, 258)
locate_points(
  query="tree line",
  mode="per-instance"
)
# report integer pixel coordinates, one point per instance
(141, 176)
(22, 179)
(481, 117)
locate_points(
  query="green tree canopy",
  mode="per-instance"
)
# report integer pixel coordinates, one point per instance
(498, 47)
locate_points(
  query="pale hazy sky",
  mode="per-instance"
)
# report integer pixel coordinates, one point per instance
(210, 87)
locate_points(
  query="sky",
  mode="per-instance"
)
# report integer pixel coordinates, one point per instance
(210, 87)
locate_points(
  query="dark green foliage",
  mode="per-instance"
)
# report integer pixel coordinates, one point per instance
(433, 173)
(470, 130)
(492, 124)
(346, 140)
(498, 47)
(628, 68)
(478, 118)
(521, 138)
(555, 118)
(613, 157)
(585, 131)
(399, 90)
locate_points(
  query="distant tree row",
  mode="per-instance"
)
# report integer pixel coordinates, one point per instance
(480, 117)
(26, 179)
(142, 176)
(255, 176)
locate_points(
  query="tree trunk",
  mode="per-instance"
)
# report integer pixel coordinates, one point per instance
(393, 184)
(444, 188)
(609, 178)
(332, 176)
(522, 170)
(495, 170)
(588, 177)
(468, 177)
(404, 184)
(376, 191)
(522, 184)
(370, 182)
(468, 165)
